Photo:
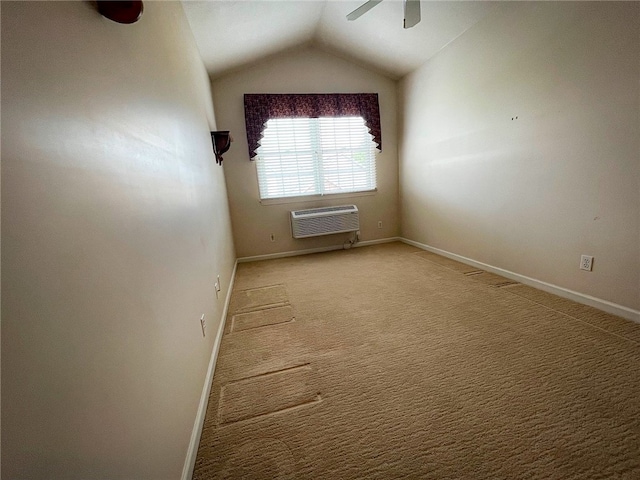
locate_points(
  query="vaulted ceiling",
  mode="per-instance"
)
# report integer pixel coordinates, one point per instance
(232, 34)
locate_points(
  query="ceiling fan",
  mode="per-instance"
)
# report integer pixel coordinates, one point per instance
(411, 11)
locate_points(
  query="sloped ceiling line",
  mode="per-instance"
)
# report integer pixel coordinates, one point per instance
(233, 34)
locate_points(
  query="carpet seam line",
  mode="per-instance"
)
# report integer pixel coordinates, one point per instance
(513, 283)
(261, 326)
(318, 399)
(260, 288)
(266, 306)
(260, 375)
(466, 274)
(575, 318)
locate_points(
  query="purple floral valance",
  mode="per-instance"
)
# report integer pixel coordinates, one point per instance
(259, 108)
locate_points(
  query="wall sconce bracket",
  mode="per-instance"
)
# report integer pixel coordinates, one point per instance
(221, 143)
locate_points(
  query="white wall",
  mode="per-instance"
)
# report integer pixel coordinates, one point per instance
(532, 194)
(115, 224)
(306, 70)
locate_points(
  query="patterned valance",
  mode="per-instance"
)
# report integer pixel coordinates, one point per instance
(259, 108)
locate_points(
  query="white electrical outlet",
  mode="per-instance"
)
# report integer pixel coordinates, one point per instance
(203, 324)
(218, 284)
(272, 237)
(586, 263)
(216, 288)
(379, 223)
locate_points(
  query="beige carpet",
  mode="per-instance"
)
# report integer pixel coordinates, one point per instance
(387, 362)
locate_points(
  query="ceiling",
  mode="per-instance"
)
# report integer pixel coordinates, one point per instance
(232, 34)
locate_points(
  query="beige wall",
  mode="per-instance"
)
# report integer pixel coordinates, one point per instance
(115, 224)
(532, 194)
(303, 71)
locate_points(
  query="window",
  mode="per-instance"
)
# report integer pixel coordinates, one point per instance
(313, 143)
(315, 156)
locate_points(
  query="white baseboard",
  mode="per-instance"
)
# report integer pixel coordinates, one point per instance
(595, 302)
(192, 451)
(366, 243)
(294, 253)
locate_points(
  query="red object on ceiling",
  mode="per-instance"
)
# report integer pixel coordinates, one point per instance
(121, 11)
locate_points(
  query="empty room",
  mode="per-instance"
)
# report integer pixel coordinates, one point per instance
(312, 239)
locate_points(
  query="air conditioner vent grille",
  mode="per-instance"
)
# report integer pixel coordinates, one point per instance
(324, 221)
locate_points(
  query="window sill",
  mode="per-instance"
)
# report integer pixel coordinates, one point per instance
(315, 198)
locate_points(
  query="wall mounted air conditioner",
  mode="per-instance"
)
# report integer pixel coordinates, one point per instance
(324, 221)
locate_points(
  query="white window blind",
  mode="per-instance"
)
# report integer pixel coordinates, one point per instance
(315, 156)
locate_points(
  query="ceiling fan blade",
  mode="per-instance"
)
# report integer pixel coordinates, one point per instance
(411, 13)
(362, 9)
